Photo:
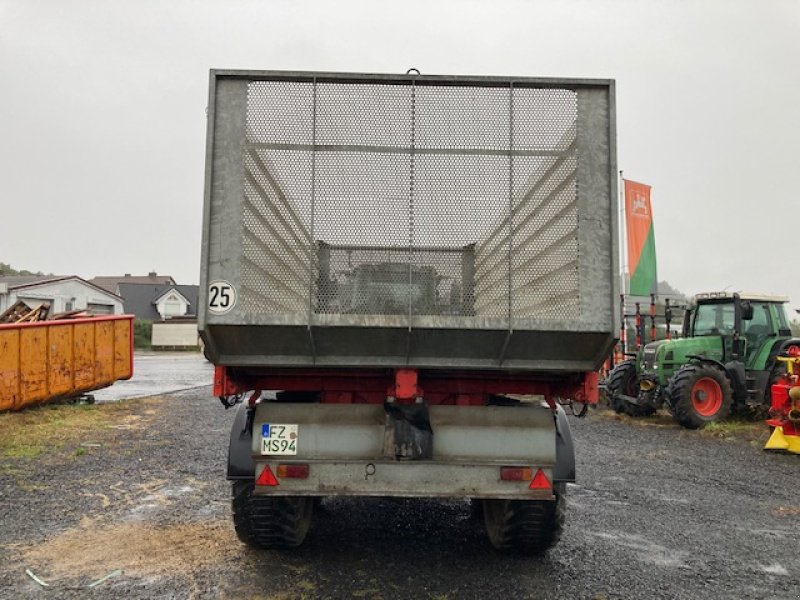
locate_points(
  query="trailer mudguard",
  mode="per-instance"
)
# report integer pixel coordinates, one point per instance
(240, 449)
(564, 470)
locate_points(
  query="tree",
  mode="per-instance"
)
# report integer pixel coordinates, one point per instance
(7, 269)
(794, 325)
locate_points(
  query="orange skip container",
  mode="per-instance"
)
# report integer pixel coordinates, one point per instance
(51, 360)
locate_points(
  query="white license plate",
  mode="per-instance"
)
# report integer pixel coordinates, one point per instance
(278, 439)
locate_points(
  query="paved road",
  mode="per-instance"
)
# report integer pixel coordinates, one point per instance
(160, 373)
(659, 512)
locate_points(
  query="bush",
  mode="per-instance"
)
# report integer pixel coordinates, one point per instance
(142, 334)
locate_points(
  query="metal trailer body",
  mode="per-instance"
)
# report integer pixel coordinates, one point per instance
(504, 187)
(423, 267)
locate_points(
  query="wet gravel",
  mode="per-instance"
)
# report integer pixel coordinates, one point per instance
(658, 512)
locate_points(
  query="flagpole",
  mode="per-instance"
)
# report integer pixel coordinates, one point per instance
(622, 253)
(623, 235)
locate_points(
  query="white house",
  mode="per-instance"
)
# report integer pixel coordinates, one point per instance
(62, 294)
(172, 304)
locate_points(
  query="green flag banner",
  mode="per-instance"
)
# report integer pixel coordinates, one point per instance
(641, 239)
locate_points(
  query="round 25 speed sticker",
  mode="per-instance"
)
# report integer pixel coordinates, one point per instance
(221, 297)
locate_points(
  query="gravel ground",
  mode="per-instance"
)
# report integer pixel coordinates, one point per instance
(658, 512)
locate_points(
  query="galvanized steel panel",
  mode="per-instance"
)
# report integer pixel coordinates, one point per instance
(367, 220)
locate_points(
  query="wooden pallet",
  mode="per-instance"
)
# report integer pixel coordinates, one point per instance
(20, 312)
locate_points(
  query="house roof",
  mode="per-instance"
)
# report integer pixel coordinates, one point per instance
(15, 281)
(19, 282)
(140, 298)
(111, 282)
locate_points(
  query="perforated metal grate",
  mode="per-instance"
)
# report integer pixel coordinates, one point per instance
(392, 199)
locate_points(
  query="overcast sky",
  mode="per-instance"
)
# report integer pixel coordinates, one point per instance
(102, 114)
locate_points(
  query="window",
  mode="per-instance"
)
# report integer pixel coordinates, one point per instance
(758, 329)
(172, 307)
(100, 309)
(760, 323)
(714, 319)
(783, 323)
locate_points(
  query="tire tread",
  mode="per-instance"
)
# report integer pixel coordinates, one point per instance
(269, 521)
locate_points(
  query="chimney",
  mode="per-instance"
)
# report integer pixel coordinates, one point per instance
(127, 274)
(152, 274)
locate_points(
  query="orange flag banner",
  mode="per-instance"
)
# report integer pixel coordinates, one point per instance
(641, 239)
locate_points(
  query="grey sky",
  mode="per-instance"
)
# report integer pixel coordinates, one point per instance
(102, 122)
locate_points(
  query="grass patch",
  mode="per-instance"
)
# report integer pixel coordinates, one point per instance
(737, 428)
(752, 429)
(35, 431)
(658, 419)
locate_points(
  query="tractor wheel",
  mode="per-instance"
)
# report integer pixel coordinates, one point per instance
(269, 521)
(622, 381)
(525, 526)
(698, 395)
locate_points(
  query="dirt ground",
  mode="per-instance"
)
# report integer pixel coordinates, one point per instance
(139, 487)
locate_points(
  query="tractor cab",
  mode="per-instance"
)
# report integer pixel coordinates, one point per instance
(735, 327)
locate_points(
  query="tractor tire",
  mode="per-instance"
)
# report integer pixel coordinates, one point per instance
(525, 526)
(622, 381)
(699, 395)
(269, 521)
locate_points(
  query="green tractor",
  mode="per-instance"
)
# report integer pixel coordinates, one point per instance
(725, 360)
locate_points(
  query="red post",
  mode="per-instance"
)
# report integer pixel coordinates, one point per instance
(638, 326)
(652, 317)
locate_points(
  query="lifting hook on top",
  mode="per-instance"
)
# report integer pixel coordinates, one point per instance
(413, 71)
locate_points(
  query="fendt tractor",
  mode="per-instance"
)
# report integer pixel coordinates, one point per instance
(405, 281)
(727, 358)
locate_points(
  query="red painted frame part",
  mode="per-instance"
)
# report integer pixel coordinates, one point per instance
(372, 386)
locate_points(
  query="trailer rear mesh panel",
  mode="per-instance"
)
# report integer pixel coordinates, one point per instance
(413, 198)
(387, 199)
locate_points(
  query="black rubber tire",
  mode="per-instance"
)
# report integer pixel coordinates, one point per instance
(624, 380)
(679, 395)
(525, 526)
(269, 521)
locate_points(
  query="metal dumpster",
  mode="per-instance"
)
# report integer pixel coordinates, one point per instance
(51, 360)
(431, 221)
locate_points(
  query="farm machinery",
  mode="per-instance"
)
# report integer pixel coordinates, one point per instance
(727, 358)
(404, 278)
(785, 409)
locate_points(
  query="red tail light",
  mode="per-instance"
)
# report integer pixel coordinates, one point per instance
(516, 473)
(293, 471)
